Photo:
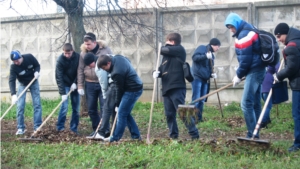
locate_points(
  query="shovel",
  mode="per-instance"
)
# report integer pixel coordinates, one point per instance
(18, 98)
(38, 129)
(260, 119)
(153, 95)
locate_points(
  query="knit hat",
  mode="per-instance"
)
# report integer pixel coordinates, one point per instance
(282, 29)
(89, 58)
(15, 55)
(215, 42)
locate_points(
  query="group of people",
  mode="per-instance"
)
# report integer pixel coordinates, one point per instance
(111, 80)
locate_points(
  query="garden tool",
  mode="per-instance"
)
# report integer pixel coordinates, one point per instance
(114, 125)
(260, 119)
(32, 138)
(212, 70)
(153, 95)
(96, 135)
(191, 108)
(18, 98)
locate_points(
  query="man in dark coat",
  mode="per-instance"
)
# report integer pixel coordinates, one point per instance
(290, 37)
(173, 84)
(66, 79)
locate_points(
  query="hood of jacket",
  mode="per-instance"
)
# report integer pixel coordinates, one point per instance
(292, 35)
(101, 43)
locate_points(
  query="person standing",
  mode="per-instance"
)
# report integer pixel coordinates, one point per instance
(265, 89)
(202, 69)
(128, 89)
(247, 47)
(24, 68)
(290, 37)
(173, 84)
(66, 79)
(86, 77)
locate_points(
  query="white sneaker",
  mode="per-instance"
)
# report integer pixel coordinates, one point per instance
(106, 139)
(98, 136)
(20, 132)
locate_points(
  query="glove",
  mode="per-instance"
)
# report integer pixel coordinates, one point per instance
(209, 55)
(155, 74)
(14, 99)
(236, 81)
(104, 95)
(81, 92)
(214, 75)
(36, 75)
(64, 97)
(73, 87)
(275, 78)
(116, 109)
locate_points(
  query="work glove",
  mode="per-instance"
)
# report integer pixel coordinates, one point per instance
(213, 75)
(236, 81)
(104, 95)
(81, 92)
(14, 99)
(36, 75)
(73, 87)
(275, 78)
(155, 74)
(209, 55)
(64, 97)
(116, 109)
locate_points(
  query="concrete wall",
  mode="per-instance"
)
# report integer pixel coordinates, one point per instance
(197, 25)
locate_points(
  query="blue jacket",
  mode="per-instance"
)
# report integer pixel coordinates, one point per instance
(201, 67)
(246, 46)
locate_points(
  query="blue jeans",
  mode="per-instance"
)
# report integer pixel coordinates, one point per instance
(172, 99)
(251, 105)
(93, 94)
(296, 116)
(125, 118)
(108, 109)
(199, 89)
(36, 100)
(75, 102)
(266, 117)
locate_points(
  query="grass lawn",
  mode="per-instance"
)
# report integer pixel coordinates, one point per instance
(217, 147)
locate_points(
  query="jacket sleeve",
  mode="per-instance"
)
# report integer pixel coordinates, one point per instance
(36, 64)
(12, 81)
(292, 62)
(199, 54)
(119, 89)
(103, 80)
(171, 50)
(59, 76)
(80, 72)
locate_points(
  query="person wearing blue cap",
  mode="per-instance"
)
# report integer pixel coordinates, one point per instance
(24, 68)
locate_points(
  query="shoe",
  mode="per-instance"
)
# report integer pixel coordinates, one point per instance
(98, 136)
(107, 134)
(265, 124)
(293, 149)
(20, 132)
(106, 139)
(195, 138)
(91, 135)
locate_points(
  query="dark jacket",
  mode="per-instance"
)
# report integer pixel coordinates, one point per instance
(201, 67)
(269, 79)
(24, 72)
(247, 46)
(291, 55)
(171, 71)
(124, 77)
(66, 71)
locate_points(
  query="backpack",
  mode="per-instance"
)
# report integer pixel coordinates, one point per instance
(186, 70)
(269, 48)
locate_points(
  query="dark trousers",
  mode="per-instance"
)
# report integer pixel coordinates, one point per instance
(172, 99)
(108, 109)
(93, 94)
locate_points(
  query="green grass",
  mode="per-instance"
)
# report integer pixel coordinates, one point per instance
(207, 153)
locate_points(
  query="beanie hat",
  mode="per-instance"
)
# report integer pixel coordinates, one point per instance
(15, 55)
(89, 58)
(215, 42)
(282, 29)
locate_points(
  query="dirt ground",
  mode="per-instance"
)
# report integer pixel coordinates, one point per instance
(49, 135)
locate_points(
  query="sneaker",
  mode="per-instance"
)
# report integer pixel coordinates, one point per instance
(98, 136)
(20, 132)
(293, 149)
(265, 124)
(106, 139)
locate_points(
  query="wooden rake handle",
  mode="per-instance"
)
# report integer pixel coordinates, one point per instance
(18, 97)
(216, 91)
(38, 129)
